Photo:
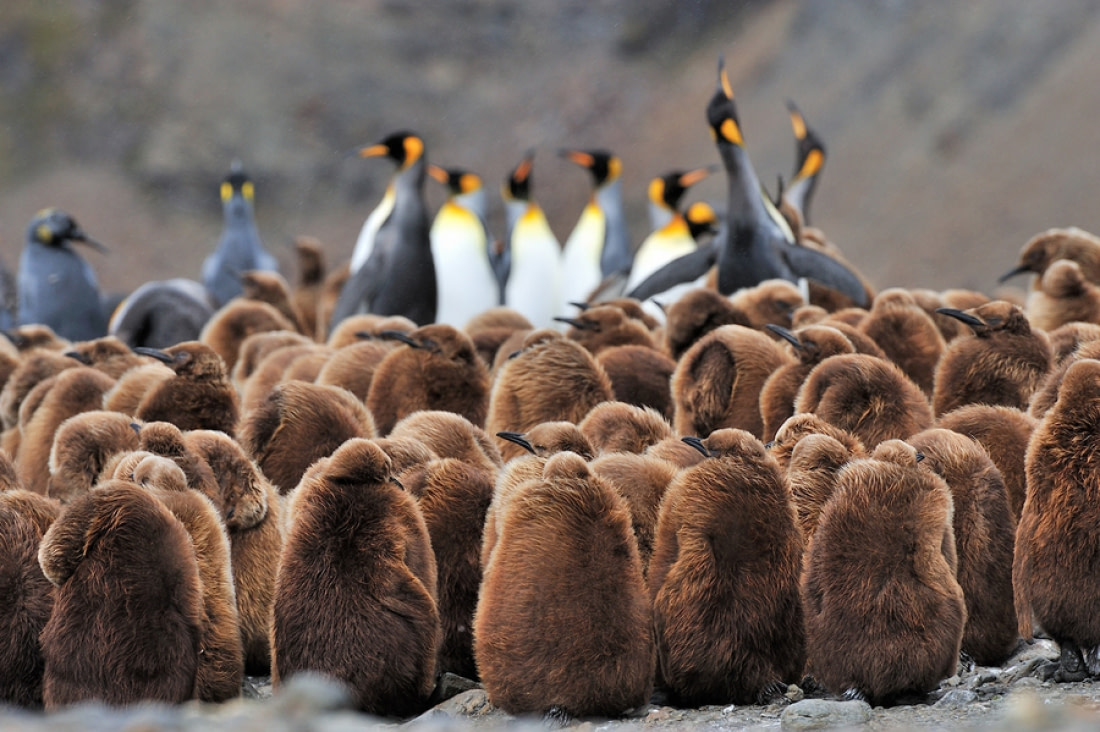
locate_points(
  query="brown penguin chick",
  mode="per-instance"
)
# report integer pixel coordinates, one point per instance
(867, 396)
(352, 367)
(718, 381)
(131, 387)
(603, 326)
(550, 379)
(454, 497)
(82, 447)
(641, 481)
(509, 349)
(330, 292)
(438, 369)
(406, 454)
(907, 335)
(694, 315)
(296, 425)
(884, 612)
(35, 367)
(235, 321)
(9, 362)
(26, 596)
(801, 425)
(252, 511)
(272, 288)
(770, 302)
(255, 348)
(1048, 246)
(355, 595)
(1065, 339)
(1064, 295)
(724, 578)
(1047, 392)
(1057, 551)
(639, 375)
(675, 452)
(563, 624)
(808, 315)
(810, 346)
(620, 427)
(307, 366)
(306, 297)
(221, 663)
(964, 299)
(166, 440)
(127, 617)
(1001, 363)
(853, 316)
(489, 341)
(930, 301)
(450, 435)
(985, 532)
(368, 325)
(71, 392)
(1003, 433)
(27, 338)
(200, 395)
(272, 370)
(631, 307)
(811, 477)
(9, 478)
(108, 354)
(496, 318)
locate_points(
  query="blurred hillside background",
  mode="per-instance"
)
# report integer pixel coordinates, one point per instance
(955, 131)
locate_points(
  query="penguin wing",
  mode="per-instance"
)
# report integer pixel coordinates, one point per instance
(360, 289)
(687, 268)
(823, 269)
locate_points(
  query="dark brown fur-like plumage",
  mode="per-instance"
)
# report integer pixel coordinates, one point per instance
(34, 368)
(985, 531)
(694, 315)
(255, 348)
(723, 578)
(127, 617)
(221, 663)
(1047, 392)
(791, 432)
(306, 297)
(1046, 247)
(298, 424)
(604, 326)
(551, 379)
(166, 440)
(639, 375)
(199, 397)
(253, 515)
(26, 596)
(562, 619)
(451, 435)
(355, 595)
(718, 381)
(642, 481)
(355, 328)
(871, 398)
(1064, 295)
(907, 335)
(815, 344)
(1057, 545)
(1004, 433)
(438, 369)
(82, 447)
(273, 369)
(772, 301)
(811, 477)
(1002, 362)
(9, 478)
(272, 288)
(131, 387)
(618, 427)
(884, 612)
(675, 451)
(237, 320)
(1066, 339)
(331, 286)
(107, 354)
(353, 366)
(71, 392)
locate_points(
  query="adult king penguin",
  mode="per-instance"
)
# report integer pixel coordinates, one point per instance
(239, 248)
(56, 286)
(392, 271)
(460, 248)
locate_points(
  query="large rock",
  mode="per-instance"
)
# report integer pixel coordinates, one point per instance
(825, 714)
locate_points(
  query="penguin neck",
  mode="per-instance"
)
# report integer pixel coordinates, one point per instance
(616, 254)
(408, 190)
(476, 202)
(514, 209)
(744, 200)
(659, 215)
(798, 195)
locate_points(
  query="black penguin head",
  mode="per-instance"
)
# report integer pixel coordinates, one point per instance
(605, 167)
(237, 183)
(671, 187)
(404, 148)
(701, 219)
(53, 227)
(517, 186)
(722, 112)
(457, 180)
(808, 147)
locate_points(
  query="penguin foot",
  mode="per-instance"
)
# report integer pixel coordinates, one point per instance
(1071, 667)
(811, 687)
(557, 717)
(1092, 660)
(771, 692)
(853, 694)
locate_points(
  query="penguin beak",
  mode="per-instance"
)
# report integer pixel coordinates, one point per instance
(373, 151)
(797, 121)
(690, 178)
(961, 316)
(1013, 272)
(80, 236)
(396, 335)
(79, 357)
(438, 173)
(579, 157)
(155, 353)
(519, 439)
(785, 335)
(135, 427)
(920, 456)
(579, 324)
(582, 306)
(698, 445)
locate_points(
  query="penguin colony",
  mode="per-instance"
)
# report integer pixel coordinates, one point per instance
(776, 477)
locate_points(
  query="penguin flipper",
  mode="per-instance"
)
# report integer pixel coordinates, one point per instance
(823, 269)
(687, 268)
(360, 289)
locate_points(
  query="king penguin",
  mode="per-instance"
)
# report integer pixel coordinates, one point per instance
(599, 246)
(239, 248)
(56, 286)
(460, 247)
(392, 271)
(809, 162)
(534, 279)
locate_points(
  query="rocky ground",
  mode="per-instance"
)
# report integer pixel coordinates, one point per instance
(1010, 697)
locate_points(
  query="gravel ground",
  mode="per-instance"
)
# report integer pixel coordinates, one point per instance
(1012, 697)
